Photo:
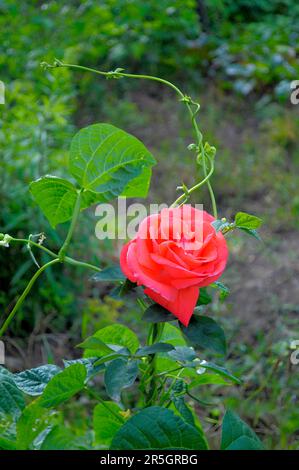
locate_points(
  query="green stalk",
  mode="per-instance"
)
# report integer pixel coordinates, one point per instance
(24, 295)
(64, 248)
(157, 330)
(67, 259)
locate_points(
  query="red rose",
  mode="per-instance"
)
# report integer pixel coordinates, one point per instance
(173, 254)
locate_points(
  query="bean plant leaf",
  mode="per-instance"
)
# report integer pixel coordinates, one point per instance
(105, 159)
(237, 435)
(158, 428)
(57, 197)
(203, 332)
(11, 398)
(33, 420)
(64, 385)
(62, 438)
(120, 374)
(116, 334)
(89, 363)
(33, 381)
(95, 343)
(250, 231)
(247, 221)
(139, 186)
(107, 420)
(182, 354)
(204, 365)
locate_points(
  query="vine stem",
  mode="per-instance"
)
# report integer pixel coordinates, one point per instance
(67, 259)
(76, 212)
(187, 100)
(24, 294)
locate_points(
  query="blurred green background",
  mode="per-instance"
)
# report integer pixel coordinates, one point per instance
(237, 58)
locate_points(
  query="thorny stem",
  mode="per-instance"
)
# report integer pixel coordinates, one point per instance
(118, 73)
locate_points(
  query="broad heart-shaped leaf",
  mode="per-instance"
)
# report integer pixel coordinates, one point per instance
(247, 221)
(139, 186)
(114, 334)
(204, 332)
(33, 420)
(107, 420)
(158, 428)
(57, 198)
(237, 435)
(120, 374)
(11, 398)
(105, 159)
(33, 381)
(64, 385)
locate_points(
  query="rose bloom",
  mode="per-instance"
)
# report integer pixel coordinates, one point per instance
(174, 254)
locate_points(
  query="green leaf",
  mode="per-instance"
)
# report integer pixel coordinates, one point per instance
(33, 420)
(120, 374)
(237, 435)
(183, 409)
(204, 297)
(179, 403)
(57, 198)
(11, 398)
(171, 335)
(33, 381)
(208, 379)
(115, 334)
(157, 428)
(95, 343)
(182, 354)
(89, 363)
(219, 370)
(64, 385)
(139, 186)
(121, 352)
(111, 273)
(107, 420)
(62, 438)
(251, 232)
(156, 314)
(247, 221)
(154, 348)
(204, 332)
(104, 159)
